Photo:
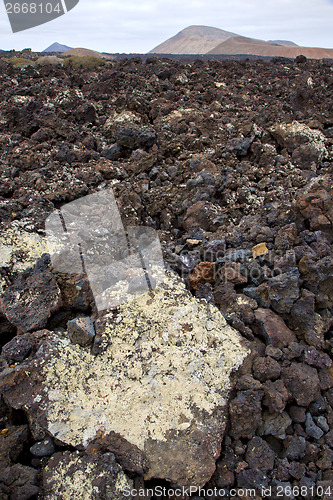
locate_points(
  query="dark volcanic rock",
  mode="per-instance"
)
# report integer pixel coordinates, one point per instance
(284, 291)
(259, 455)
(18, 482)
(276, 395)
(245, 414)
(12, 440)
(266, 369)
(39, 297)
(231, 162)
(273, 329)
(302, 382)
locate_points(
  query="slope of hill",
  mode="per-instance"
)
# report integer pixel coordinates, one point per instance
(193, 40)
(283, 42)
(88, 52)
(57, 47)
(251, 46)
(214, 41)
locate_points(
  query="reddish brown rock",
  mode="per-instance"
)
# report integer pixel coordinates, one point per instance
(315, 205)
(231, 272)
(202, 215)
(272, 328)
(266, 369)
(202, 273)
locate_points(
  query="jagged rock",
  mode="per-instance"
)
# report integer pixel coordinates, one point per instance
(315, 204)
(273, 329)
(112, 153)
(266, 369)
(302, 382)
(165, 367)
(81, 331)
(11, 444)
(259, 455)
(275, 424)
(311, 428)
(17, 349)
(202, 215)
(252, 478)
(132, 138)
(245, 414)
(295, 447)
(276, 395)
(202, 273)
(305, 144)
(31, 299)
(71, 475)
(297, 414)
(283, 291)
(18, 482)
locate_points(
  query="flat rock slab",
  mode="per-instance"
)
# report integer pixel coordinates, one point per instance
(159, 387)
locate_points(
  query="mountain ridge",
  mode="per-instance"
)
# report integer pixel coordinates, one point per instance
(202, 40)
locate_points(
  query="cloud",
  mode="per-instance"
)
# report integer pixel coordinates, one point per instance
(132, 26)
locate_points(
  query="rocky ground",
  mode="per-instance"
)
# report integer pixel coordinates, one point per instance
(231, 162)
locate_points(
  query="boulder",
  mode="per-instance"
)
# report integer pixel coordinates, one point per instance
(158, 389)
(272, 328)
(32, 298)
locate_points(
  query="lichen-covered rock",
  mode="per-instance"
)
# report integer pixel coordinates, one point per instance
(305, 144)
(161, 383)
(93, 477)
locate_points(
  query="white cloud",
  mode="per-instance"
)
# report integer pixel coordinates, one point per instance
(132, 26)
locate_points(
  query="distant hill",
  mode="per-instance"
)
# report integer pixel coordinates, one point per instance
(283, 42)
(251, 46)
(214, 41)
(193, 40)
(81, 52)
(57, 47)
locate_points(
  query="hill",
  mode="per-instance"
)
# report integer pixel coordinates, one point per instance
(87, 52)
(57, 47)
(251, 46)
(214, 41)
(193, 40)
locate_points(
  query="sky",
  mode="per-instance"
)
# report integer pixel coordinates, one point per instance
(137, 26)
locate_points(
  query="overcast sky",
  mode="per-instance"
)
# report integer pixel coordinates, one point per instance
(139, 25)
